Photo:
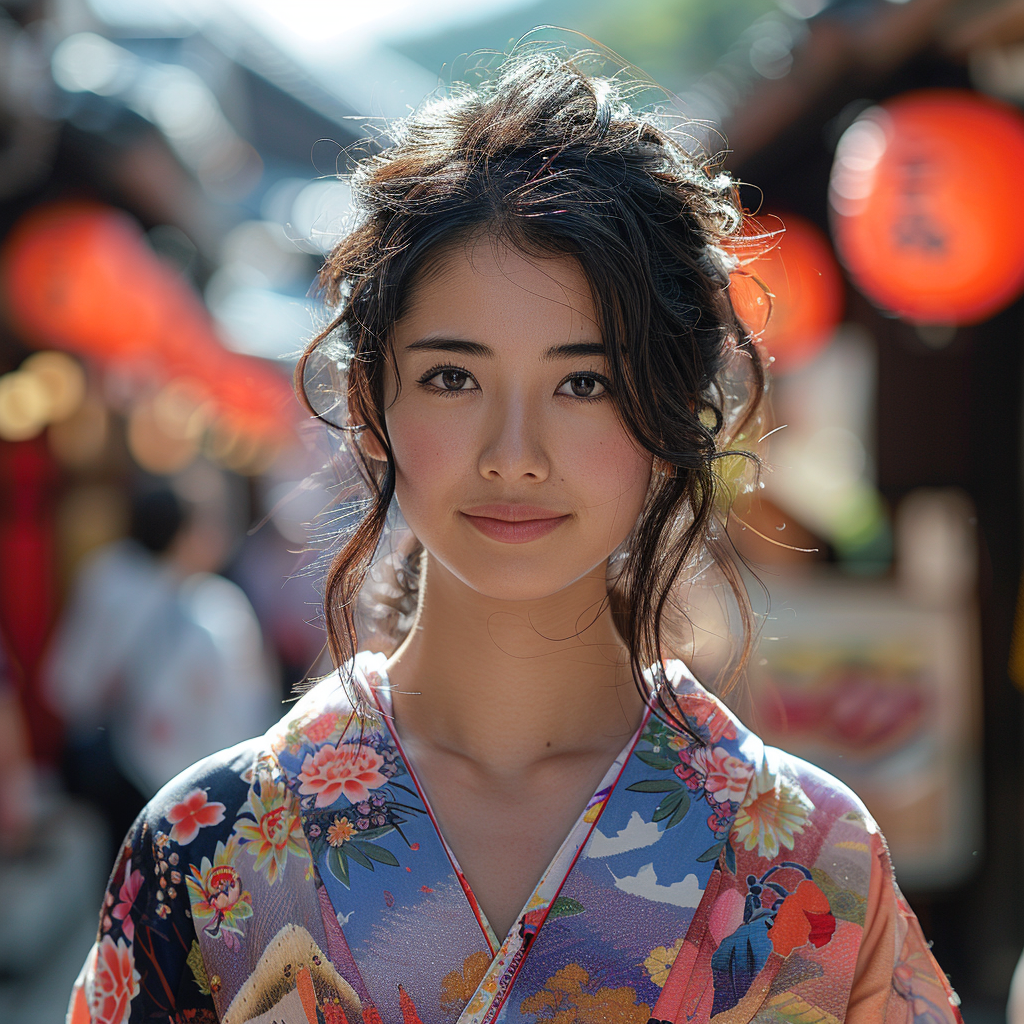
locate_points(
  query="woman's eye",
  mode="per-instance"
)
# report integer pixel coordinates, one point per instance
(582, 385)
(451, 380)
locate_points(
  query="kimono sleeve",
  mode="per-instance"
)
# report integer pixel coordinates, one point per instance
(897, 980)
(145, 963)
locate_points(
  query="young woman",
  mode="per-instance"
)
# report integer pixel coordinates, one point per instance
(530, 810)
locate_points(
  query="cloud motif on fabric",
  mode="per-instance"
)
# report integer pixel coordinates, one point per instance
(635, 836)
(686, 893)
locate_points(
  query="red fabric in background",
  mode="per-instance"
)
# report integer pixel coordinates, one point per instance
(28, 578)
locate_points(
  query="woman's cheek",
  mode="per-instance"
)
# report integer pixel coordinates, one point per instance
(610, 467)
(427, 452)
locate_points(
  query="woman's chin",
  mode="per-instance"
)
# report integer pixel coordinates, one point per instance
(521, 580)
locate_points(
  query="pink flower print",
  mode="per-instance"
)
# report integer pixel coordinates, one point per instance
(706, 711)
(114, 982)
(320, 728)
(348, 769)
(193, 813)
(725, 777)
(720, 819)
(127, 895)
(688, 774)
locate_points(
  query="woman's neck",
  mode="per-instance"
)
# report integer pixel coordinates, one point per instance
(508, 685)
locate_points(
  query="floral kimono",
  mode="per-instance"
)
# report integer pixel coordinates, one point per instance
(301, 878)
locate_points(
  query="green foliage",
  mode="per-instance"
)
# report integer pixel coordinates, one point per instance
(198, 968)
(673, 807)
(338, 865)
(363, 851)
(377, 853)
(672, 41)
(665, 764)
(655, 786)
(711, 853)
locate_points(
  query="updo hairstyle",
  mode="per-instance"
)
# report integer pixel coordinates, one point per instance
(552, 161)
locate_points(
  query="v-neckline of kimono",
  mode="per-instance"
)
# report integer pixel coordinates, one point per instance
(545, 891)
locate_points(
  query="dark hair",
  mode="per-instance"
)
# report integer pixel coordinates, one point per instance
(157, 516)
(552, 161)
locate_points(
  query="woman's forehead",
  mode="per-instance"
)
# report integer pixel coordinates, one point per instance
(490, 290)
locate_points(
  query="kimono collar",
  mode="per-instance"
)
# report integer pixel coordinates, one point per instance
(627, 879)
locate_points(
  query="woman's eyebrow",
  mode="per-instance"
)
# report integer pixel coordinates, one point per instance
(475, 348)
(574, 350)
(460, 345)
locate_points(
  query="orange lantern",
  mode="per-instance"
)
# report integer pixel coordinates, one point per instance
(806, 294)
(928, 214)
(80, 276)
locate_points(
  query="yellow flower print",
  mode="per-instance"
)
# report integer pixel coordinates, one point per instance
(276, 830)
(660, 962)
(340, 832)
(772, 814)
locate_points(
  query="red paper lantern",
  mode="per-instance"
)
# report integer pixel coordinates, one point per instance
(928, 211)
(80, 276)
(806, 288)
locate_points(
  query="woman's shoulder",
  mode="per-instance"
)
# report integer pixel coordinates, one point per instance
(709, 717)
(214, 788)
(340, 708)
(339, 704)
(796, 813)
(805, 875)
(206, 794)
(786, 809)
(825, 792)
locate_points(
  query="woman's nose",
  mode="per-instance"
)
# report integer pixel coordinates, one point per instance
(512, 447)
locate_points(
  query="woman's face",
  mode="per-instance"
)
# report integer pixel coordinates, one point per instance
(513, 468)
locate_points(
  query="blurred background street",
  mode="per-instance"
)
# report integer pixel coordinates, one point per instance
(168, 189)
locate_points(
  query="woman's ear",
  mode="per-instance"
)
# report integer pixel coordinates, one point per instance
(368, 442)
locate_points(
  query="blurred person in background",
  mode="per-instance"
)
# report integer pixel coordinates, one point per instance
(544, 369)
(157, 661)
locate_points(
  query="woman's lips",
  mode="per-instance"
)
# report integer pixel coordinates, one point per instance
(514, 524)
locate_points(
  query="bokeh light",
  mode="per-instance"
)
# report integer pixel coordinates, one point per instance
(24, 406)
(153, 447)
(62, 378)
(80, 440)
